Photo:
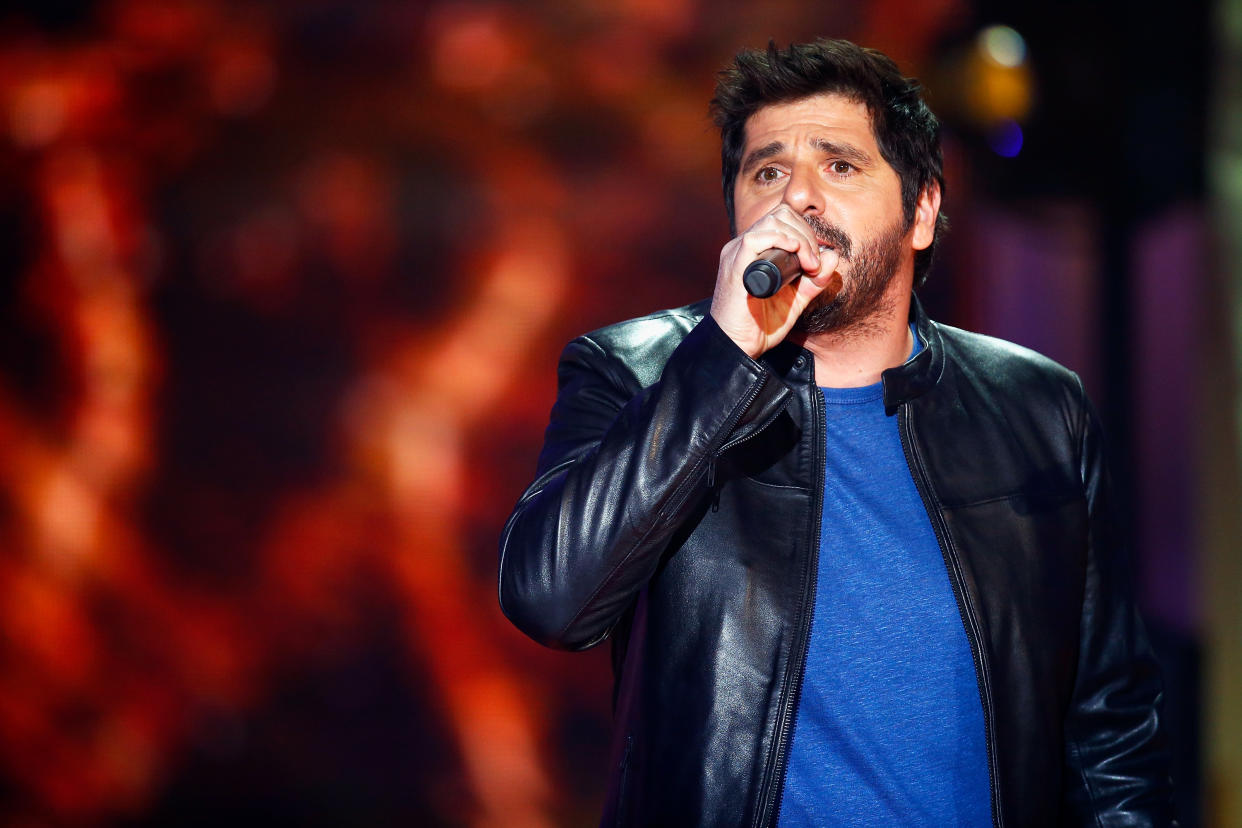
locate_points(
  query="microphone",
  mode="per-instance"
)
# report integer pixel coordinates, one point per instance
(771, 271)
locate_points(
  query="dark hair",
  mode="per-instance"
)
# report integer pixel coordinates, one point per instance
(905, 129)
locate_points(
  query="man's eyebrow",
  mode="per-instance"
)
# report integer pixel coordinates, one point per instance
(761, 154)
(846, 152)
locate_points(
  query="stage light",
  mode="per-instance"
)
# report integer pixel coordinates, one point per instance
(996, 79)
(1005, 138)
(1002, 45)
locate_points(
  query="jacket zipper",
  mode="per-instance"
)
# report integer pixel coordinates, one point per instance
(732, 423)
(778, 765)
(967, 612)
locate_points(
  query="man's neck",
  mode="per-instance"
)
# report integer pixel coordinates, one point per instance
(857, 357)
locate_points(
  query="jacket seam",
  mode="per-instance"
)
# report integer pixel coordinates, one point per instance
(999, 499)
(607, 362)
(1086, 783)
(1081, 448)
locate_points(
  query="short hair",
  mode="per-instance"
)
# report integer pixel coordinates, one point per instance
(906, 131)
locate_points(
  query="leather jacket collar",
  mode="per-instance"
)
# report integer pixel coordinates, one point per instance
(918, 375)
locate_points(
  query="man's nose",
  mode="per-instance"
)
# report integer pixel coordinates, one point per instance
(802, 191)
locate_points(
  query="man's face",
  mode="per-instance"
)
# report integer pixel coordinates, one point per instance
(819, 156)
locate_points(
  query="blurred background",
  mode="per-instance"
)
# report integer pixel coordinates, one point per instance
(284, 285)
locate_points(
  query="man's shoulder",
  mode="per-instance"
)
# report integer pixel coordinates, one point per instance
(641, 332)
(641, 346)
(1005, 365)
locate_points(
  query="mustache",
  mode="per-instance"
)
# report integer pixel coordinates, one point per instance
(831, 234)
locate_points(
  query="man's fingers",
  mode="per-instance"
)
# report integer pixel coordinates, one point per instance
(829, 258)
(755, 243)
(755, 325)
(786, 222)
(809, 287)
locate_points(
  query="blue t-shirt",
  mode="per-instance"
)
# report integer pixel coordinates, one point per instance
(889, 728)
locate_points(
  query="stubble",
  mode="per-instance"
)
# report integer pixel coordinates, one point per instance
(858, 310)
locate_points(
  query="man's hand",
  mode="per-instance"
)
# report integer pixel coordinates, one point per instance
(759, 324)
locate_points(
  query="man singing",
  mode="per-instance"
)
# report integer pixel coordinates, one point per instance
(858, 568)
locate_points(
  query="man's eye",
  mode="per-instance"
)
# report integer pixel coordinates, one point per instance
(842, 167)
(768, 174)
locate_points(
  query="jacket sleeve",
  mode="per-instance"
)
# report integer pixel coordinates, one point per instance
(621, 469)
(1117, 763)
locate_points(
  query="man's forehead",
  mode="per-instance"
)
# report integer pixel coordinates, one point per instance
(827, 110)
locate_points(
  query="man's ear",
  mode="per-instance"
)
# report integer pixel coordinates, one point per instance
(925, 212)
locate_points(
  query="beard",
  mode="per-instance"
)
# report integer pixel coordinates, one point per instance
(855, 310)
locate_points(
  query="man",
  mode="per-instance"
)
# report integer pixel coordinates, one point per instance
(857, 567)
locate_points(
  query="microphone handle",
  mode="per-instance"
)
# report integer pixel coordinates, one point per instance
(772, 270)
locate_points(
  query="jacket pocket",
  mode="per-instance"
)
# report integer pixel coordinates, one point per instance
(1025, 561)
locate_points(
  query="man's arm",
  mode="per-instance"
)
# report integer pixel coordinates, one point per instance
(622, 463)
(1116, 755)
(621, 469)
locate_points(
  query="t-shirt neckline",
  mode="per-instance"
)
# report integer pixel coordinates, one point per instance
(867, 393)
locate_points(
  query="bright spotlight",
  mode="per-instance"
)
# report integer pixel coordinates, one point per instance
(1002, 45)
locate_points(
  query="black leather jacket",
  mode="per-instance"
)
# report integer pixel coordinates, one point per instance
(677, 509)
